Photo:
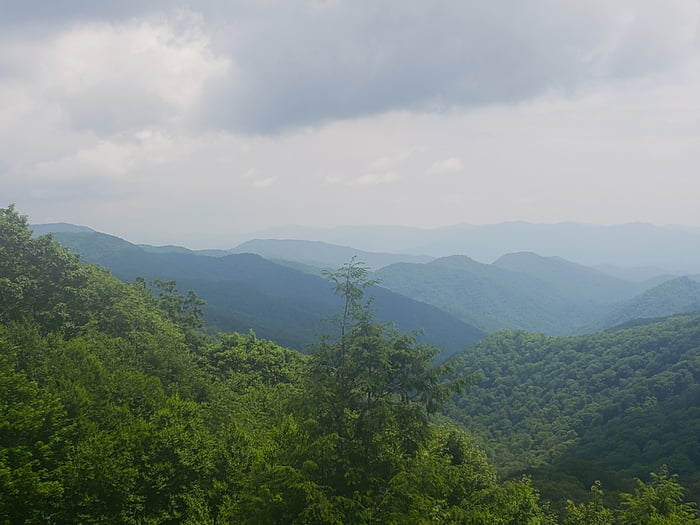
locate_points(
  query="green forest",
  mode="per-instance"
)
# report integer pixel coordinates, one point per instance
(118, 406)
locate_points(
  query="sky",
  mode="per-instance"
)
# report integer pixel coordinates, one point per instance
(187, 123)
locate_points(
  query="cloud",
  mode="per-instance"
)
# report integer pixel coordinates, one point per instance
(107, 77)
(269, 67)
(301, 67)
(182, 116)
(334, 179)
(451, 165)
(372, 179)
(264, 183)
(389, 161)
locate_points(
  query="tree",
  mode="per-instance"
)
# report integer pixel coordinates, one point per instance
(658, 502)
(33, 430)
(38, 279)
(362, 420)
(592, 513)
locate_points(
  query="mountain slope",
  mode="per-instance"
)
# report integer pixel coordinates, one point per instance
(676, 296)
(245, 291)
(321, 254)
(42, 229)
(490, 297)
(570, 279)
(671, 249)
(623, 401)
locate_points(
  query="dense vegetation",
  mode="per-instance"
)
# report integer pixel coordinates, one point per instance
(608, 406)
(675, 296)
(116, 408)
(522, 291)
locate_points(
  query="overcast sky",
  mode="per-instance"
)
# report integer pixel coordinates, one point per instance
(180, 123)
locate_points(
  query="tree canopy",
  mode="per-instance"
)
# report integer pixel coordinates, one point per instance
(115, 407)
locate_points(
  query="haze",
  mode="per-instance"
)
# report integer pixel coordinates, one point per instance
(188, 123)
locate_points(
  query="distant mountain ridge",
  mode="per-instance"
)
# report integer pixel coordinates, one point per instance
(54, 227)
(524, 290)
(634, 251)
(321, 254)
(673, 297)
(672, 249)
(246, 291)
(571, 279)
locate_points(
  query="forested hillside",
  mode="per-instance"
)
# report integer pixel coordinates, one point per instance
(245, 291)
(320, 254)
(491, 297)
(115, 407)
(675, 296)
(571, 280)
(607, 406)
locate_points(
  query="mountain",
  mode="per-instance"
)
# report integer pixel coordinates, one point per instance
(649, 274)
(42, 229)
(116, 408)
(570, 279)
(644, 249)
(671, 249)
(492, 297)
(321, 254)
(575, 409)
(676, 296)
(246, 291)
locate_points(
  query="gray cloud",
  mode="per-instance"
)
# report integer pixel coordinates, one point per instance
(299, 63)
(309, 66)
(233, 116)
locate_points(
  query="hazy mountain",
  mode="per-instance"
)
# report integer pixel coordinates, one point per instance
(649, 274)
(246, 291)
(572, 280)
(645, 249)
(676, 296)
(393, 239)
(491, 297)
(43, 229)
(670, 248)
(321, 254)
(180, 249)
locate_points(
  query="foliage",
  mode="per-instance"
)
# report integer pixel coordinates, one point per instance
(359, 446)
(592, 513)
(672, 297)
(604, 406)
(658, 502)
(492, 298)
(116, 408)
(35, 273)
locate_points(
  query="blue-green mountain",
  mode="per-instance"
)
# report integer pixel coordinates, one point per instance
(246, 291)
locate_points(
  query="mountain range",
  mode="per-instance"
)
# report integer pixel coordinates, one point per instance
(456, 299)
(670, 249)
(522, 290)
(245, 291)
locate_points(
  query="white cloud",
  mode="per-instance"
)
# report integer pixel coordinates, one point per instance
(264, 183)
(373, 179)
(451, 165)
(389, 162)
(113, 77)
(334, 179)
